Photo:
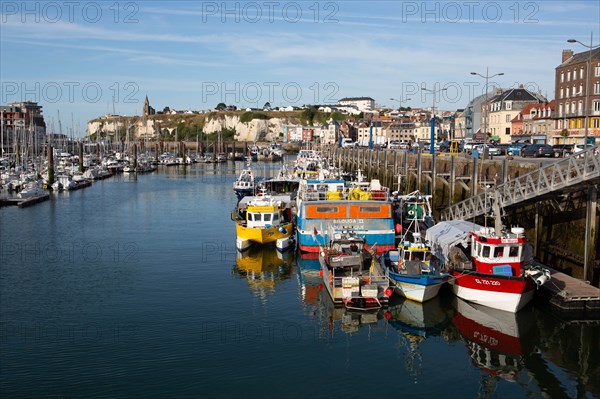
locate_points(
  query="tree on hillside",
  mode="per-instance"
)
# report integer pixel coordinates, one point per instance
(267, 105)
(221, 107)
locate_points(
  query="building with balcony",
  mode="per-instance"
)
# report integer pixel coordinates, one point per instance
(576, 77)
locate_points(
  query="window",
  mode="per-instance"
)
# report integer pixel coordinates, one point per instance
(581, 73)
(275, 217)
(567, 93)
(580, 108)
(596, 106)
(507, 118)
(560, 110)
(575, 93)
(327, 209)
(595, 123)
(561, 93)
(581, 89)
(568, 76)
(509, 105)
(498, 252)
(486, 251)
(562, 77)
(597, 88)
(573, 105)
(513, 251)
(597, 71)
(370, 209)
(267, 217)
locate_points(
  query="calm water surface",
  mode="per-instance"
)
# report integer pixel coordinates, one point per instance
(132, 288)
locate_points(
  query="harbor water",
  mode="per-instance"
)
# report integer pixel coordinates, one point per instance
(133, 288)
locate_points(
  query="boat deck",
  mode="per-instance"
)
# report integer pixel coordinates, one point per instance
(569, 295)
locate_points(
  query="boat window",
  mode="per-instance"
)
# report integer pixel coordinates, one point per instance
(250, 217)
(486, 251)
(418, 255)
(275, 217)
(257, 217)
(513, 251)
(369, 209)
(267, 217)
(498, 252)
(327, 209)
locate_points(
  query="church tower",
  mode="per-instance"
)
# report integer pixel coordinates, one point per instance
(148, 110)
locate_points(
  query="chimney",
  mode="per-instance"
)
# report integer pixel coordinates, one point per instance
(566, 54)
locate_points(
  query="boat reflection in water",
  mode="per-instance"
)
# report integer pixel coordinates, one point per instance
(263, 267)
(498, 342)
(415, 322)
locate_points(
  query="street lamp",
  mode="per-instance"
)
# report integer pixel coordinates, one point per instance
(487, 107)
(400, 101)
(588, 79)
(432, 137)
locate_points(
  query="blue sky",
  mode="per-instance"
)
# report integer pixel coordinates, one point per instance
(75, 57)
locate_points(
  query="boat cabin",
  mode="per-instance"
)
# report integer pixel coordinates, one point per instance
(262, 216)
(345, 253)
(505, 255)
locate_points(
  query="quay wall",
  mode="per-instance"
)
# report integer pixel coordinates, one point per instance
(555, 225)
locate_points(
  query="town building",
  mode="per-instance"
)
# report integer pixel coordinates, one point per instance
(534, 124)
(363, 104)
(570, 96)
(503, 107)
(18, 119)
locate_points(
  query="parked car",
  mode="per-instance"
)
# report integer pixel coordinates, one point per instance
(346, 142)
(503, 148)
(468, 146)
(562, 150)
(515, 148)
(492, 149)
(404, 145)
(394, 145)
(537, 150)
(577, 148)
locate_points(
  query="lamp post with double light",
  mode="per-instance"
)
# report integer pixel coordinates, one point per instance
(588, 85)
(487, 77)
(432, 137)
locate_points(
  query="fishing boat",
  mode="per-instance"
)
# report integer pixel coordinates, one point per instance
(263, 220)
(245, 183)
(362, 207)
(413, 270)
(490, 266)
(352, 275)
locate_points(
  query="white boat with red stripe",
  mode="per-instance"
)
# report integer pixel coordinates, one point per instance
(488, 265)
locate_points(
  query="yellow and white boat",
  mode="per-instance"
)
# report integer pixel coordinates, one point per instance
(264, 221)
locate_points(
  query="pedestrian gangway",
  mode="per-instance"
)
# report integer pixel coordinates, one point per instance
(566, 174)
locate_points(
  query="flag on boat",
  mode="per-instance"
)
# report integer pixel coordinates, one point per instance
(315, 232)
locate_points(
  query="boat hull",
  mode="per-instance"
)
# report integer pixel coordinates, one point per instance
(247, 235)
(421, 288)
(506, 293)
(307, 242)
